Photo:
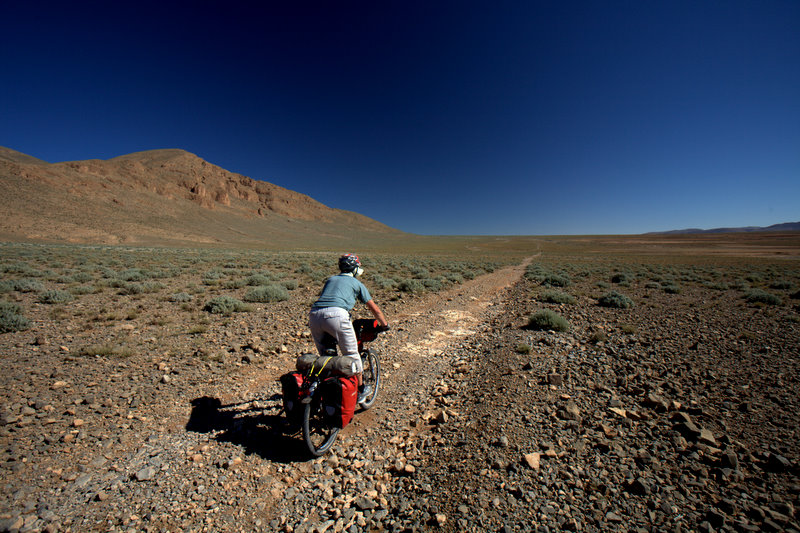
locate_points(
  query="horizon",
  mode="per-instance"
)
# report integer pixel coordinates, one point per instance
(448, 119)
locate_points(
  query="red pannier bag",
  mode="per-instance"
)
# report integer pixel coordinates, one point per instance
(291, 384)
(339, 394)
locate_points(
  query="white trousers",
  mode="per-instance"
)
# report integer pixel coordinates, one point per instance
(335, 321)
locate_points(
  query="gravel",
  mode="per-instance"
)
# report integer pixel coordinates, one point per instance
(683, 416)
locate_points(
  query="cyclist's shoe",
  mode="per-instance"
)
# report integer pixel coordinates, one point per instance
(364, 393)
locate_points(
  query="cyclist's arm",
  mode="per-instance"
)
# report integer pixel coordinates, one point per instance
(377, 313)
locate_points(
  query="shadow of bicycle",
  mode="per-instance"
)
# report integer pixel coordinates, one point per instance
(255, 425)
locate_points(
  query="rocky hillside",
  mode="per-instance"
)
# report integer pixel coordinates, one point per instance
(161, 197)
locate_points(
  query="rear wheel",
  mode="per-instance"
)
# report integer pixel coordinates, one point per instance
(317, 434)
(371, 377)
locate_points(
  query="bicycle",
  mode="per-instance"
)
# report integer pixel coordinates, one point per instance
(319, 434)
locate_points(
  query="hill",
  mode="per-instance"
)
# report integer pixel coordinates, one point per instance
(164, 197)
(786, 226)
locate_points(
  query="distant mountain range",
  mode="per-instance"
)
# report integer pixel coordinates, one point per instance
(165, 197)
(786, 226)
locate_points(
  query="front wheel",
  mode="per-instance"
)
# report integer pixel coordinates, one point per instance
(318, 435)
(371, 376)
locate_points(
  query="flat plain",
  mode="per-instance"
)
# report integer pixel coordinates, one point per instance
(641, 383)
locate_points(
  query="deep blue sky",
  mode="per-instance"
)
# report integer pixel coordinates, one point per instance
(451, 117)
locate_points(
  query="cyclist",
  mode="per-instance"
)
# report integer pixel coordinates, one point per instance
(331, 314)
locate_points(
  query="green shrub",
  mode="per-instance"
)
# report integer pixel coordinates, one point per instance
(267, 293)
(763, 297)
(547, 320)
(433, 284)
(256, 280)
(556, 280)
(621, 277)
(615, 300)
(454, 277)
(557, 297)
(225, 305)
(671, 288)
(523, 348)
(55, 297)
(11, 318)
(180, 297)
(597, 335)
(132, 274)
(413, 286)
(28, 285)
(82, 289)
(781, 285)
(754, 278)
(381, 282)
(290, 284)
(212, 277)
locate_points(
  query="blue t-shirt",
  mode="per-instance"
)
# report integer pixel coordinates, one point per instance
(342, 291)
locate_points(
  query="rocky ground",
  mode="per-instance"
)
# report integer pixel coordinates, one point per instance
(678, 414)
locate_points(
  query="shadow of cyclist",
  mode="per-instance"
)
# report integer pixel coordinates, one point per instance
(258, 430)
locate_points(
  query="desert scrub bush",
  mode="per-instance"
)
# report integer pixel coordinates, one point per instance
(652, 285)
(132, 274)
(212, 277)
(376, 280)
(433, 284)
(255, 280)
(197, 329)
(234, 284)
(781, 285)
(523, 348)
(615, 300)
(290, 284)
(556, 280)
(557, 297)
(412, 286)
(267, 293)
(225, 305)
(671, 288)
(622, 278)
(11, 318)
(181, 297)
(55, 297)
(28, 285)
(79, 290)
(597, 335)
(716, 285)
(762, 297)
(468, 274)
(140, 288)
(454, 277)
(754, 277)
(420, 272)
(547, 320)
(535, 272)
